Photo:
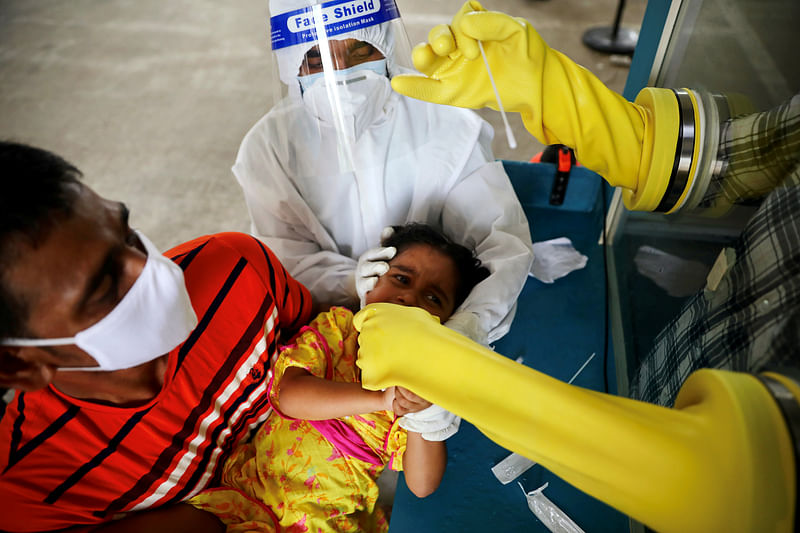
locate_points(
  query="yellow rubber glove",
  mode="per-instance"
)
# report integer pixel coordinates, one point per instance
(560, 101)
(722, 460)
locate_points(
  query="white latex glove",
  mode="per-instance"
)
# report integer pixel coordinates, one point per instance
(373, 264)
(555, 259)
(433, 423)
(467, 324)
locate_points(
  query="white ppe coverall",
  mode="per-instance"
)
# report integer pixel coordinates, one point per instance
(414, 162)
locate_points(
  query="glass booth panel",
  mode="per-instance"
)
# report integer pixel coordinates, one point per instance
(741, 56)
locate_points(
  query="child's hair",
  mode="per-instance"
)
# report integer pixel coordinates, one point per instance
(469, 267)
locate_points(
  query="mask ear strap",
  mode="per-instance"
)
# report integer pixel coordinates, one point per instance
(81, 369)
(62, 341)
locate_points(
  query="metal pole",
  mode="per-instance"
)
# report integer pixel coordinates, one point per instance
(612, 40)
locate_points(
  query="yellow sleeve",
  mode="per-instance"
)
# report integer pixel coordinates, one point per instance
(725, 426)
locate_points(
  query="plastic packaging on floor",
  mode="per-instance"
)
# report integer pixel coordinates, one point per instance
(549, 513)
(511, 468)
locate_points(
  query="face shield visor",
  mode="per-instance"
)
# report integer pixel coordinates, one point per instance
(336, 59)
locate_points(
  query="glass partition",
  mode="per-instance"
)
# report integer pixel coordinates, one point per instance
(741, 55)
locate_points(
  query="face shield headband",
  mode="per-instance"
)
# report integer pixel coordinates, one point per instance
(344, 93)
(153, 318)
(313, 23)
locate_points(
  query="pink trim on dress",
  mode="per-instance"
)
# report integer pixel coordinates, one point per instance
(389, 434)
(346, 440)
(325, 349)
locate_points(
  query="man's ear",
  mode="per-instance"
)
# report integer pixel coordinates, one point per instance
(20, 369)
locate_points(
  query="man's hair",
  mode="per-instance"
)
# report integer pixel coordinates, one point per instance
(36, 193)
(469, 268)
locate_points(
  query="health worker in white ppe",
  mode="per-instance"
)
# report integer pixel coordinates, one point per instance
(342, 156)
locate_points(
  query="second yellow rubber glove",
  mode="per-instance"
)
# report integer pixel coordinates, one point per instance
(560, 102)
(721, 460)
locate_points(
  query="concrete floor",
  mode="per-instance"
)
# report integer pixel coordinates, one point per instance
(150, 99)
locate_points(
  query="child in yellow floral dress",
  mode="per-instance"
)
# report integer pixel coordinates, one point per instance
(314, 467)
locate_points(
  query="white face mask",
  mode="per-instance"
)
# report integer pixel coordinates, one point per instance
(153, 317)
(361, 92)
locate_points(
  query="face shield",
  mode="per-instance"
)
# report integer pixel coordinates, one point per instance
(336, 58)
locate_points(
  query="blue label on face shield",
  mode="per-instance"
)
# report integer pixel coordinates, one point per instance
(337, 16)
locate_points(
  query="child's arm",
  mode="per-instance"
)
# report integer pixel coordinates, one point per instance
(423, 464)
(302, 395)
(424, 461)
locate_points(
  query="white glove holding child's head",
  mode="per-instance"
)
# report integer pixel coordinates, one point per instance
(373, 264)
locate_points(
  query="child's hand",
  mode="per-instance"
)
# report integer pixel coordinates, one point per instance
(406, 401)
(388, 398)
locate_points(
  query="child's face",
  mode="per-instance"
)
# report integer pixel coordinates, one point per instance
(419, 276)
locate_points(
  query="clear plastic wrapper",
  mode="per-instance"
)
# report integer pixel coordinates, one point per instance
(549, 513)
(511, 468)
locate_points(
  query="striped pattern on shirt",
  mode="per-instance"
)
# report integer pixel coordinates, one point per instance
(64, 461)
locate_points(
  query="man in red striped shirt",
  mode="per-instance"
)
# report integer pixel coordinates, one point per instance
(183, 350)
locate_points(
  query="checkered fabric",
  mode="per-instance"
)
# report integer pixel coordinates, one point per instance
(751, 321)
(760, 152)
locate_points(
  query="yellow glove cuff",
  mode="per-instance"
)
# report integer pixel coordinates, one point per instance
(670, 150)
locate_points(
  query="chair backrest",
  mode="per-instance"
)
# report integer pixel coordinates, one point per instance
(534, 181)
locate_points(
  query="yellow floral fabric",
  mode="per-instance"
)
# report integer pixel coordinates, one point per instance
(290, 477)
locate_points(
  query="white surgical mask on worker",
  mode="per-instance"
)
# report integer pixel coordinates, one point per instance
(357, 95)
(153, 317)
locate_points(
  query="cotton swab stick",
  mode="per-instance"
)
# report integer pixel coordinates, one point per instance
(512, 141)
